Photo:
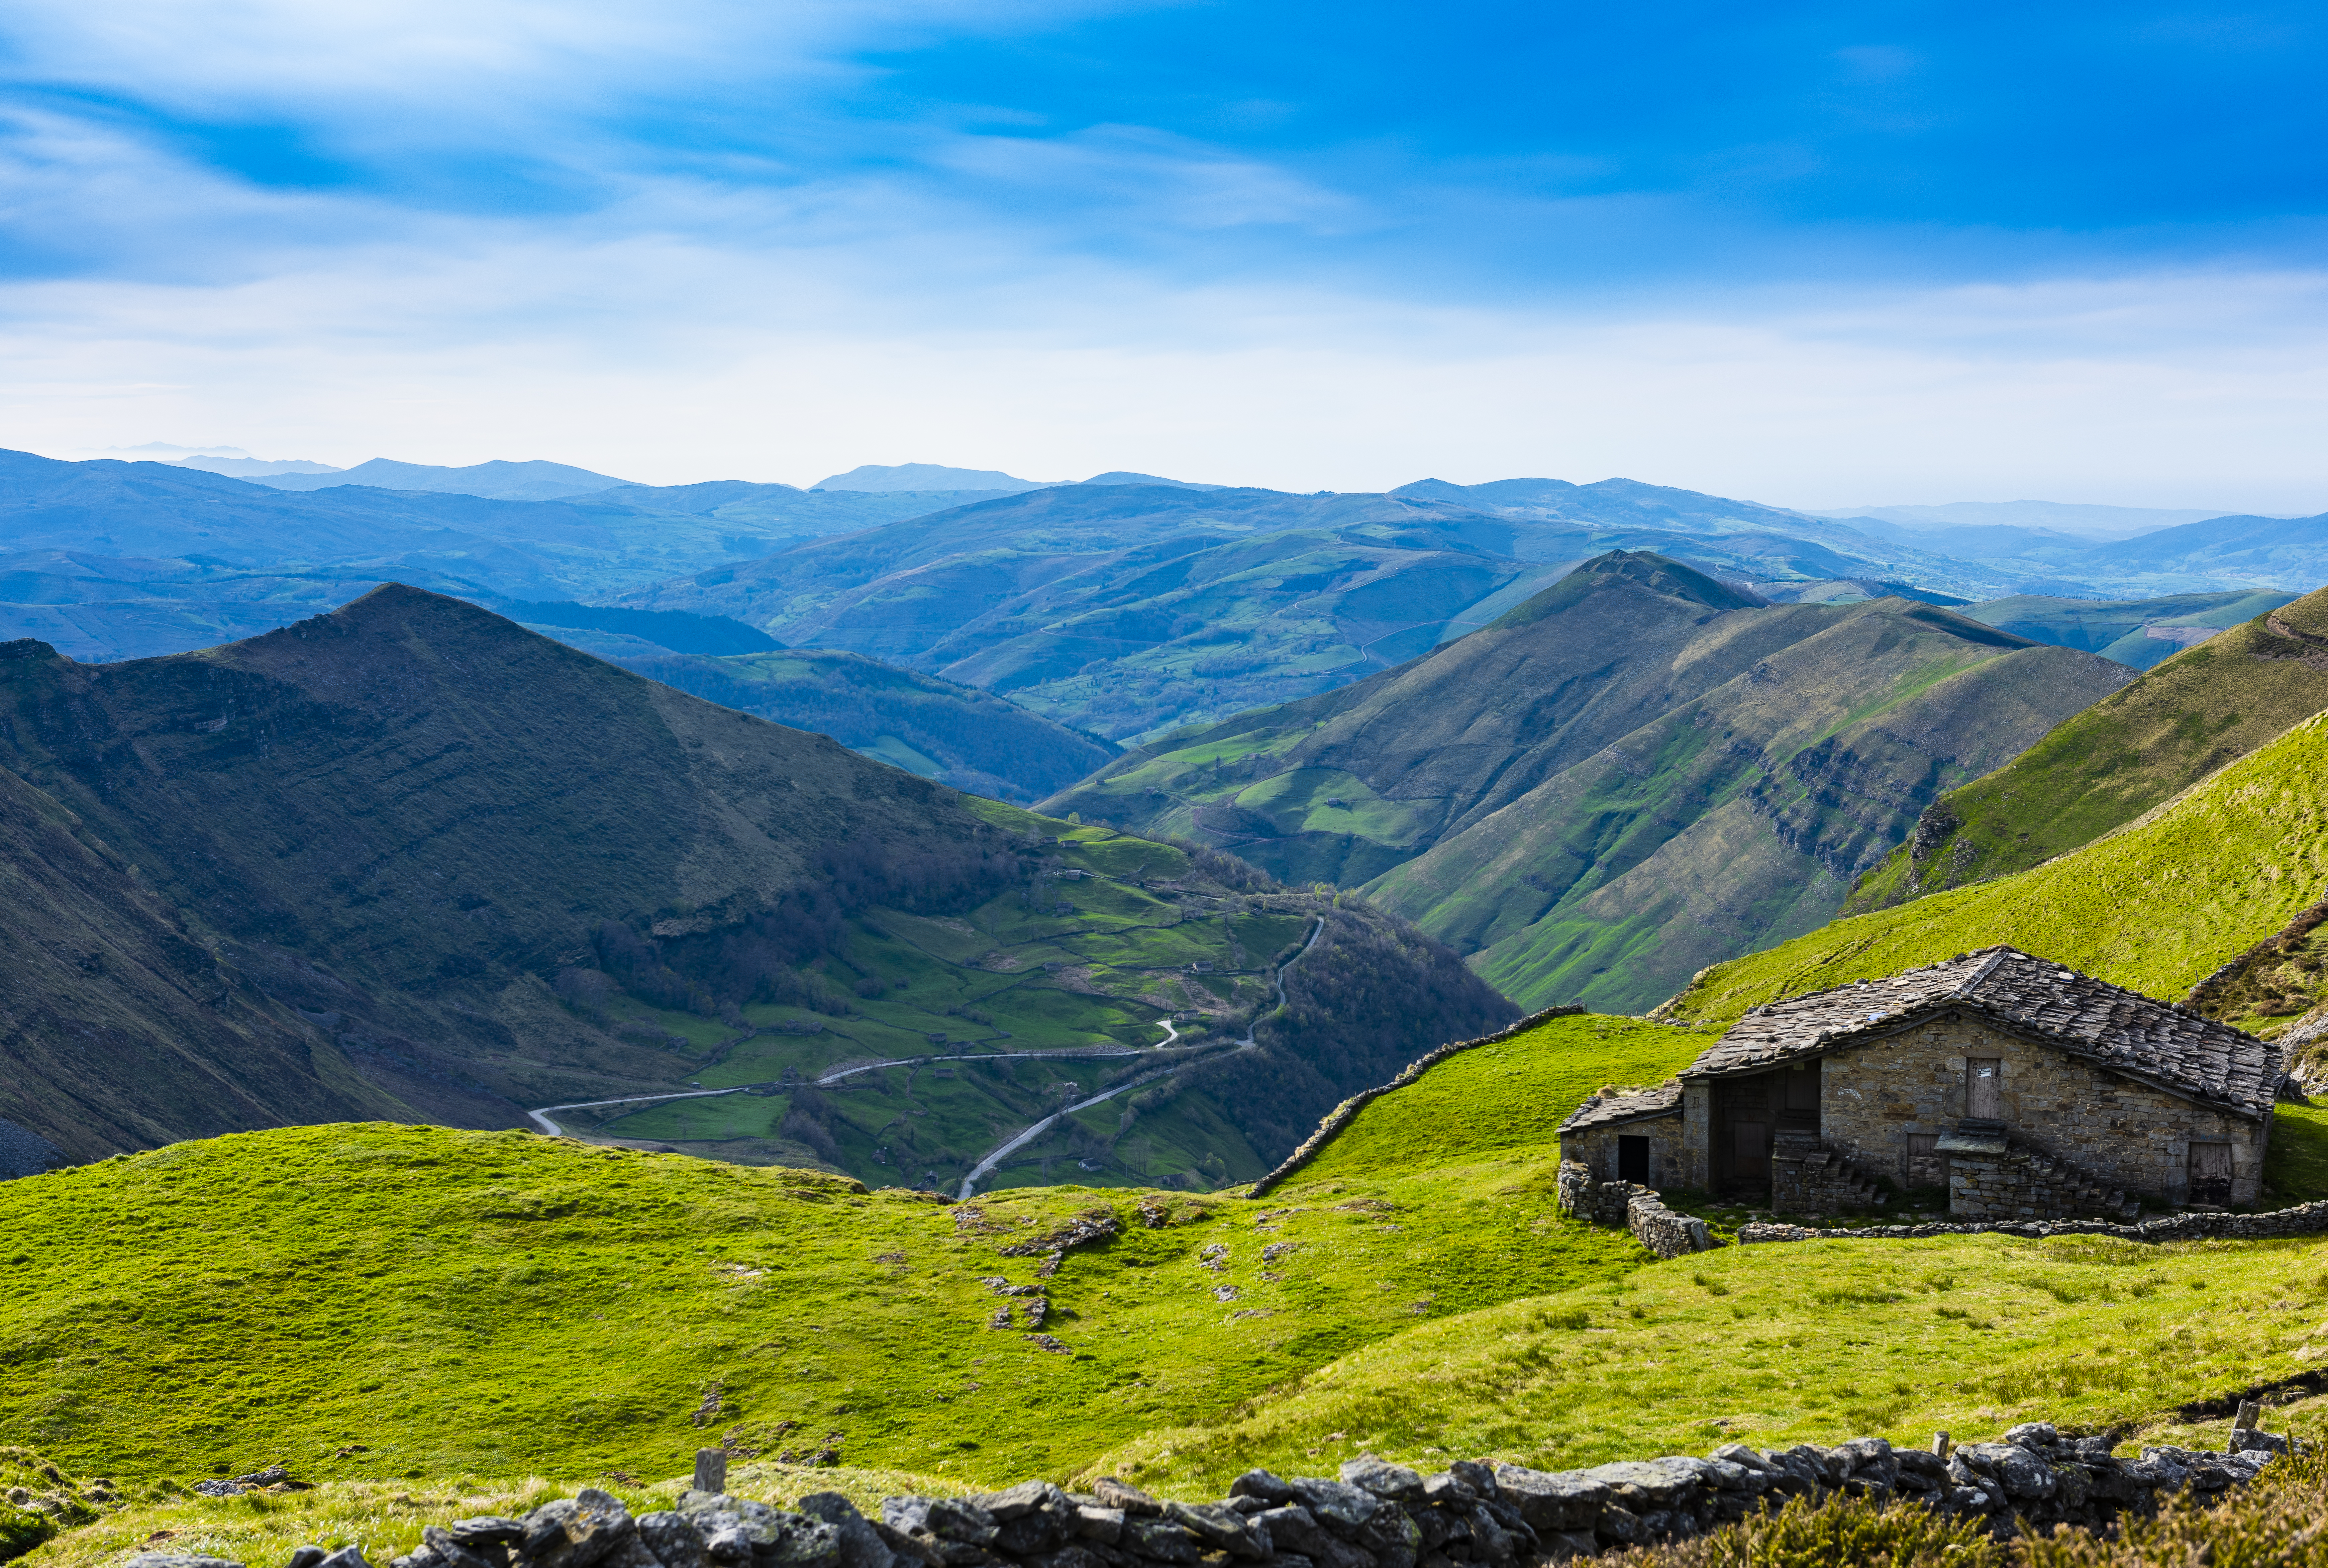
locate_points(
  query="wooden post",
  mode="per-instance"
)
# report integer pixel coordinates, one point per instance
(710, 1470)
(2250, 1411)
(1941, 1444)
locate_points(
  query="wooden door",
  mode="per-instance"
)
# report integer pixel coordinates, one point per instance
(2210, 1173)
(1982, 1077)
(1927, 1166)
(1750, 1151)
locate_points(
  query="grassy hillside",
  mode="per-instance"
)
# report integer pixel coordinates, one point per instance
(939, 729)
(291, 1294)
(2156, 907)
(2109, 764)
(1798, 1342)
(348, 822)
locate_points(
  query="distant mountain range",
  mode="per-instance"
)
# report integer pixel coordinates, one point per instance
(1637, 771)
(2062, 517)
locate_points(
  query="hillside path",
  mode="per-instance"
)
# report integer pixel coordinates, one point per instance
(1277, 985)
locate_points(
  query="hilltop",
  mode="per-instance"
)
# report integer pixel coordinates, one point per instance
(1633, 773)
(429, 866)
(2206, 707)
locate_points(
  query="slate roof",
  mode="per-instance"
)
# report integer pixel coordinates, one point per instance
(1611, 1106)
(2151, 1041)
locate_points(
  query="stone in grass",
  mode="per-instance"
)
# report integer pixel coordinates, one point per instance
(578, 1532)
(1384, 1479)
(1337, 1505)
(861, 1545)
(1270, 1489)
(306, 1557)
(674, 1540)
(178, 1560)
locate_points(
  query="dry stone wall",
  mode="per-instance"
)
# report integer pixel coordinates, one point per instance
(1376, 1514)
(1639, 1210)
(2305, 1220)
(1341, 1116)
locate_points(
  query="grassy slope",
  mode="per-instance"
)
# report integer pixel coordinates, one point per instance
(2107, 766)
(1778, 1345)
(2154, 907)
(498, 1304)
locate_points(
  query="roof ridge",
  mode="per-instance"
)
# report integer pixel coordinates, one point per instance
(1996, 956)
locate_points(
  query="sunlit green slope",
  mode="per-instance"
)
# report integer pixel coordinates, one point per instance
(2107, 766)
(497, 1303)
(2156, 907)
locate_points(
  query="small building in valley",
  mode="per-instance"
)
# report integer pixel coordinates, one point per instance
(1627, 1135)
(2025, 1090)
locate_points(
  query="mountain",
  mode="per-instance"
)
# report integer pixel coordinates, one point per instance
(444, 869)
(496, 481)
(2233, 865)
(2200, 709)
(110, 560)
(2279, 552)
(1124, 477)
(1121, 608)
(1635, 772)
(956, 735)
(2139, 633)
(251, 467)
(2044, 516)
(925, 476)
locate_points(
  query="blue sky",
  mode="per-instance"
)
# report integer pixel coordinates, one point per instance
(1822, 255)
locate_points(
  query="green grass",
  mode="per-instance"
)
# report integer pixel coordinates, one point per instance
(1805, 1342)
(498, 1305)
(2190, 715)
(2154, 907)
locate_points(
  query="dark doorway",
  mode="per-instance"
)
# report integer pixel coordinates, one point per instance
(1750, 1151)
(1927, 1166)
(1984, 1076)
(2210, 1173)
(1633, 1159)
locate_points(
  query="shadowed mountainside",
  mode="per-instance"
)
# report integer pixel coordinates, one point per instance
(424, 864)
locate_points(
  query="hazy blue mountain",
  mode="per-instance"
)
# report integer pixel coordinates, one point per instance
(251, 467)
(2067, 517)
(2139, 633)
(496, 481)
(1126, 476)
(2280, 552)
(926, 477)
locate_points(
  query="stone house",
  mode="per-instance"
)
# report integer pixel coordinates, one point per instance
(2023, 1089)
(1627, 1135)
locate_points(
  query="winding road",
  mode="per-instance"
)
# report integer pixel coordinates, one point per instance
(1277, 984)
(540, 1117)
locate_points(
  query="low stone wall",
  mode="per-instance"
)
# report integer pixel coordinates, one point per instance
(1375, 1516)
(1341, 1116)
(1637, 1208)
(2304, 1220)
(1807, 1177)
(2020, 1184)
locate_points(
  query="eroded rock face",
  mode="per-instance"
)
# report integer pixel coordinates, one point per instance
(1375, 1515)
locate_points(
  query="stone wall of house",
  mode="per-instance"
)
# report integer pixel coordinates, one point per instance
(2118, 1132)
(2018, 1185)
(1597, 1146)
(1377, 1515)
(1807, 1177)
(1697, 1135)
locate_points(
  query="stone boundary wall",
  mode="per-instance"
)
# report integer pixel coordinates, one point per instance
(1375, 1516)
(1639, 1210)
(1341, 1116)
(2305, 1220)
